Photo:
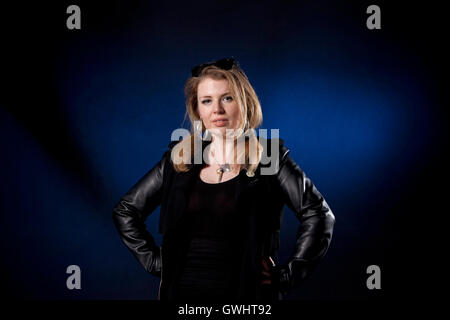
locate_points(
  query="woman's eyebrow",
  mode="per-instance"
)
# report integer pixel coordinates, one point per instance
(211, 97)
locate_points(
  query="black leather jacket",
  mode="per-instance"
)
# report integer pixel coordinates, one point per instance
(261, 200)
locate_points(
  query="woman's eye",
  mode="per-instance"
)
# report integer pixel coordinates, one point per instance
(229, 98)
(206, 101)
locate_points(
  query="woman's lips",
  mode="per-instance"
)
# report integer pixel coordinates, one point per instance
(220, 123)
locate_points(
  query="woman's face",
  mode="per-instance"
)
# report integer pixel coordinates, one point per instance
(216, 106)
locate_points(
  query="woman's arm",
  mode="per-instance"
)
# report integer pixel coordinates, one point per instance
(316, 223)
(131, 211)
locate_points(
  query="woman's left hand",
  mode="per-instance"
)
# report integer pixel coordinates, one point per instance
(267, 264)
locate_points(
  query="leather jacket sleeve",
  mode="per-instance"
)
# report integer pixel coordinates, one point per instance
(130, 213)
(316, 223)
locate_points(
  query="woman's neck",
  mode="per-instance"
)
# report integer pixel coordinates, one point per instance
(222, 149)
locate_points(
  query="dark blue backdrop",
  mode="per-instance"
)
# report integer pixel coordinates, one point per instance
(86, 113)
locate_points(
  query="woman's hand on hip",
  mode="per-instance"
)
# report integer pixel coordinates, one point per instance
(267, 265)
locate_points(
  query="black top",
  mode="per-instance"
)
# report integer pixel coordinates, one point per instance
(209, 270)
(211, 208)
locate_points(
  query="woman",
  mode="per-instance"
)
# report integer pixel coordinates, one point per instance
(222, 191)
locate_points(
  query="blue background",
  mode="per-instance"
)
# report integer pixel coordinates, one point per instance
(85, 113)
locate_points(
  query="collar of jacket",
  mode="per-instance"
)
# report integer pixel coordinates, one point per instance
(172, 211)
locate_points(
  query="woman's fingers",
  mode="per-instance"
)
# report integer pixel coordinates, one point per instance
(265, 264)
(268, 265)
(266, 271)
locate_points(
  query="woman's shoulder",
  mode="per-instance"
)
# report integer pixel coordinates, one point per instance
(274, 154)
(273, 147)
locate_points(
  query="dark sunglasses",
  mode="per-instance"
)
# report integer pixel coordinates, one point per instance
(225, 64)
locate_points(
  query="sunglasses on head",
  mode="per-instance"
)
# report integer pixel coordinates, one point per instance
(225, 64)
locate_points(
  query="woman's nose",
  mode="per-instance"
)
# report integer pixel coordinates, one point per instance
(218, 107)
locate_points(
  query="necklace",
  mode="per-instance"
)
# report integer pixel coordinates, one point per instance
(226, 167)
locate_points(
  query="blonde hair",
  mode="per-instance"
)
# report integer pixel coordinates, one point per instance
(249, 119)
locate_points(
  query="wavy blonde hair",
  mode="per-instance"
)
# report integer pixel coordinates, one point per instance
(249, 119)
